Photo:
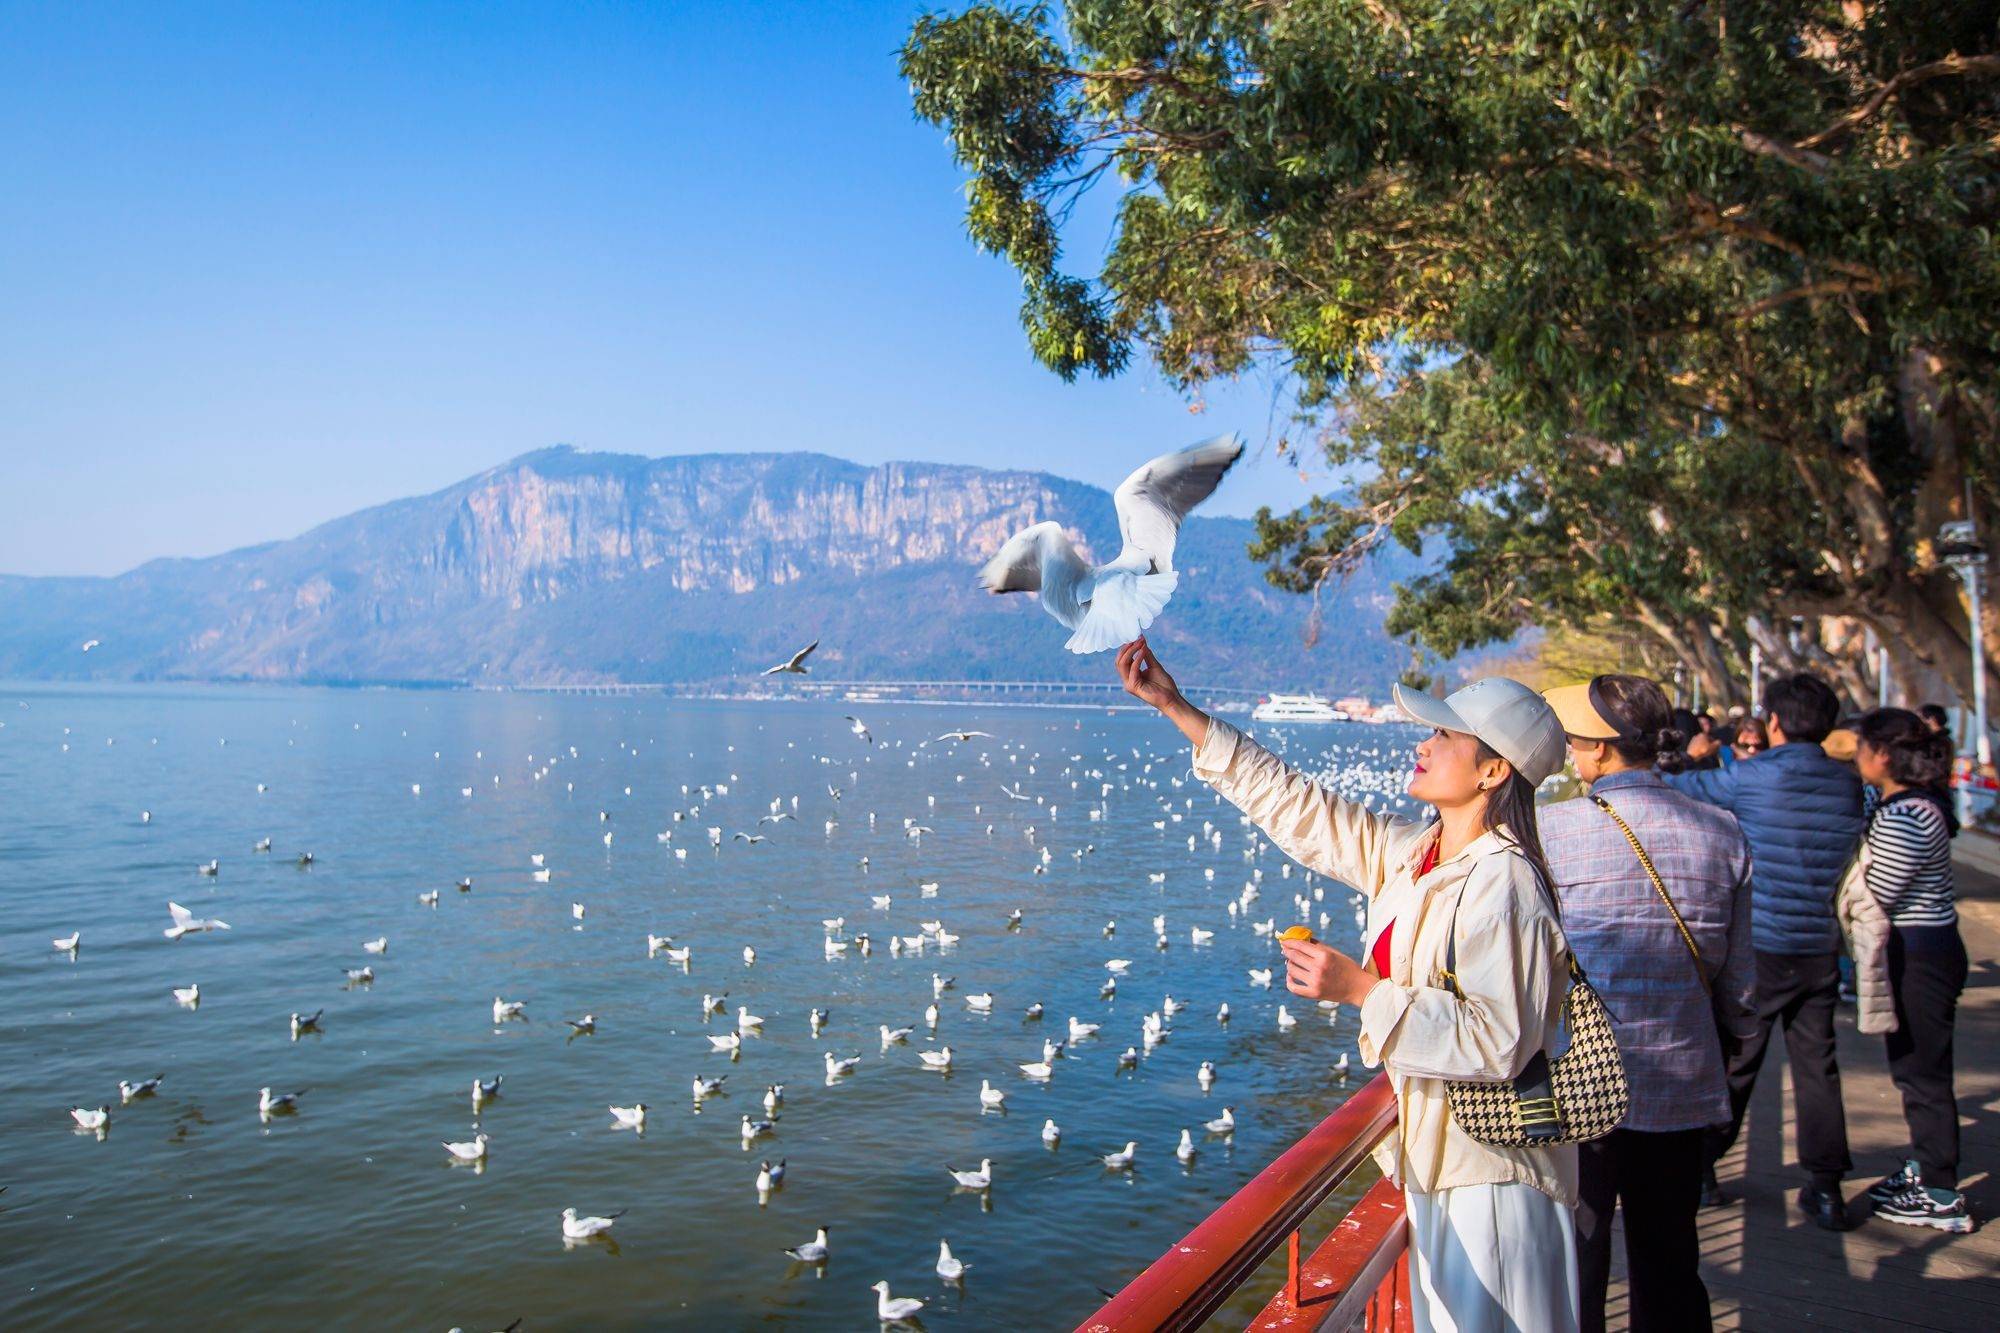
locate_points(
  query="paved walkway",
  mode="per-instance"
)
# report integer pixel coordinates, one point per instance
(1767, 1268)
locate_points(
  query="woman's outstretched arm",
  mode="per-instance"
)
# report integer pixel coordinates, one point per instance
(1147, 681)
(1313, 826)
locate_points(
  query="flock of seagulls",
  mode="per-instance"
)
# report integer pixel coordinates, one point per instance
(1034, 806)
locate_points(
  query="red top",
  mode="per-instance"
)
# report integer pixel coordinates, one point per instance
(1379, 955)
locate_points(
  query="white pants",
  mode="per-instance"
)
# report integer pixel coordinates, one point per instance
(1492, 1259)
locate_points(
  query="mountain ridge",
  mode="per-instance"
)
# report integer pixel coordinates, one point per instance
(563, 565)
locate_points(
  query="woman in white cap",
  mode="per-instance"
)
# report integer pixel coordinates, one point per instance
(1492, 1237)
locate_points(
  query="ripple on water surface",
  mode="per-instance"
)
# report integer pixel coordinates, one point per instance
(349, 1212)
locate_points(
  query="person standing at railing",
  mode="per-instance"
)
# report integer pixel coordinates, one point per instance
(1671, 957)
(1492, 1232)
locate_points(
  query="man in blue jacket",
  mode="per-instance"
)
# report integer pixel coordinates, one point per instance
(1802, 815)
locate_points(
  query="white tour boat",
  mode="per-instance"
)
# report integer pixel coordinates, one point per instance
(1297, 708)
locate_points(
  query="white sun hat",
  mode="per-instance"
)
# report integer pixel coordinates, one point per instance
(1516, 723)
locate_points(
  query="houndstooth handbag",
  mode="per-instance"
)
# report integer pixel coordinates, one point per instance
(1578, 1096)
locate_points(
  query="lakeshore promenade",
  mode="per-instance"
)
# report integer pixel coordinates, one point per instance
(1768, 1268)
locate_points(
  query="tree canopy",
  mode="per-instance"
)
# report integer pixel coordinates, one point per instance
(1679, 316)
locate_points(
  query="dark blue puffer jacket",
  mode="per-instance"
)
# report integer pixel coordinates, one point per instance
(1801, 813)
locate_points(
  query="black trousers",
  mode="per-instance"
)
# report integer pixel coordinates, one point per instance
(1657, 1179)
(1927, 970)
(1800, 991)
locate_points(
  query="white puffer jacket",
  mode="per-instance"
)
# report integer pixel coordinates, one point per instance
(1866, 927)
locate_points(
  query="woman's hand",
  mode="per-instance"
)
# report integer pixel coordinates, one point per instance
(1147, 681)
(1317, 972)
(1144, 678)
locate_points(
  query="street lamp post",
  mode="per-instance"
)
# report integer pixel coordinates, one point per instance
(1756, 680)
(1959, 547)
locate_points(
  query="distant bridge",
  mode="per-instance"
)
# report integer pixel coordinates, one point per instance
(1009, 691)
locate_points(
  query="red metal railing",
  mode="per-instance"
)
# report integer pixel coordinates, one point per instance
(1357, 1277)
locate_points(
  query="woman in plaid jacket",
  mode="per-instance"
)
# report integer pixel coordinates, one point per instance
(1667, 973)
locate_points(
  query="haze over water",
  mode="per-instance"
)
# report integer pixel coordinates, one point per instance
(191, 1212)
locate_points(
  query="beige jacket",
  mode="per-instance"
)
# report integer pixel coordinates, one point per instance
(1512, 962)
(1866, 927)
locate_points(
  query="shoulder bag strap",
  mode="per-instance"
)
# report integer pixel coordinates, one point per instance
(1658, 884)
(1555, 905)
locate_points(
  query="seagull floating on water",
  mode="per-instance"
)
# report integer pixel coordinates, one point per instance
(145, 1087)
(630, 1117)
(474, 1151)
(506, 1009)
(583, 1228)
(269, 1103)
(68, 943)
(813, 1251)
(948, 1267)
(1122, 1159)
(894, 1309)
(974, 1180)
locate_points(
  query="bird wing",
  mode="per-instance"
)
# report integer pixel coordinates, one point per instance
(803, 653)
(1036, 559)
(180, 914)
(1152, 501)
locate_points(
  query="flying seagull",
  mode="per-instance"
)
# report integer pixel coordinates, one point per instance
(1113, 603)
(860, 728)
(964, 735)
(797, 665)
(187, 923)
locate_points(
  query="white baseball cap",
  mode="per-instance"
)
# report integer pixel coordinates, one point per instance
(1516, 723)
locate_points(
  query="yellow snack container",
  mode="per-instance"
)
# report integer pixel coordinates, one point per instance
(1297, 933)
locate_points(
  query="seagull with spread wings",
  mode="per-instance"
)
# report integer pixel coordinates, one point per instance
(1113, 603)
(796, 666)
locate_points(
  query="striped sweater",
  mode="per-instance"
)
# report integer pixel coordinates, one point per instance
(1909, 862)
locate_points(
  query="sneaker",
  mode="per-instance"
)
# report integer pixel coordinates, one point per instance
(1890, 1186)
(1941, 1210)
(1711, 1189)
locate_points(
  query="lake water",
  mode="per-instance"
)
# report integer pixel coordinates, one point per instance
(192, 1211)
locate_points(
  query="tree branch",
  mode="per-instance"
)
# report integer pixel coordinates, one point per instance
(1953, 64)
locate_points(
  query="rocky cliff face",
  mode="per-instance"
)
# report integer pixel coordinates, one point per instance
(562, 565)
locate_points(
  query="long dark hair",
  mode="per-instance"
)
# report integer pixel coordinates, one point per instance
(1651, 725)
(1918, 756)
(1513, 804)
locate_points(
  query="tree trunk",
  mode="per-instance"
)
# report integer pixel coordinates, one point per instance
(1907, 614)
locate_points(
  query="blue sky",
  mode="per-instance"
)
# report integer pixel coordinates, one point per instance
(269, 263)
